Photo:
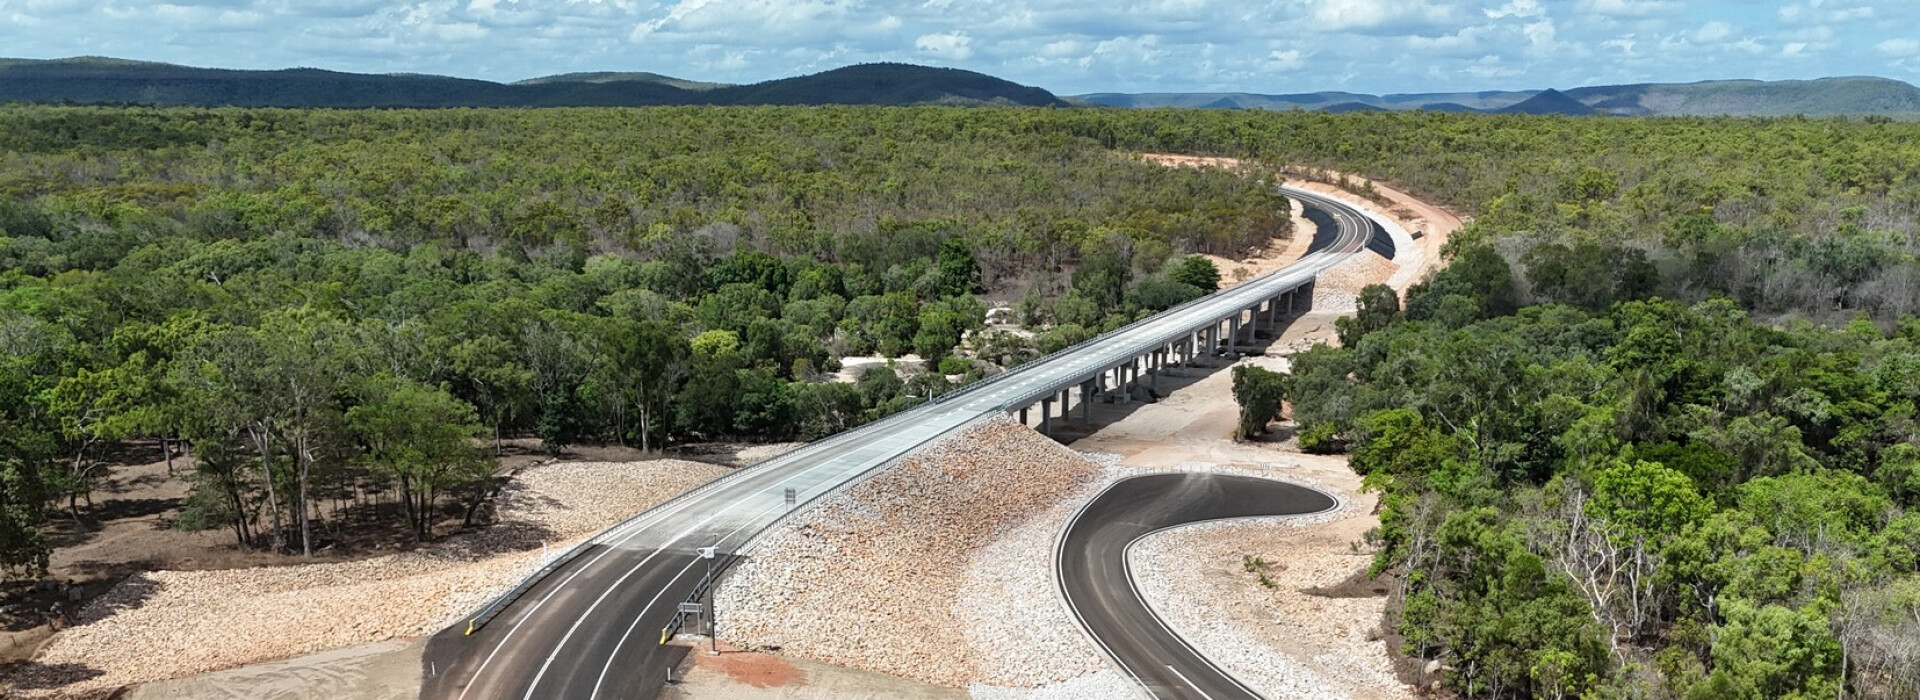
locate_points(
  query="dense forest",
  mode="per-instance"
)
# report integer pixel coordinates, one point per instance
(331, 308)
(1650, 434)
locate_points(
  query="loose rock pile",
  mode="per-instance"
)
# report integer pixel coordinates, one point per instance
(1338, 287)
(882, 576)
(169, 624)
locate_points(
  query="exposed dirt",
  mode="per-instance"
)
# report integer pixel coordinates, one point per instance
(755, 670)
(1433, 224)
(379, 671)
(739, 675)
(168, 624)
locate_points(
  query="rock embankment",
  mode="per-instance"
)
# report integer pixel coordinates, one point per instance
(169, 624)
(939, 569)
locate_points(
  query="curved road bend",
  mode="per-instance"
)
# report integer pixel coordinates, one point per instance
(1098, 583)
(590, 630)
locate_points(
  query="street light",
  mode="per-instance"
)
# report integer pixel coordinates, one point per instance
(713, 603)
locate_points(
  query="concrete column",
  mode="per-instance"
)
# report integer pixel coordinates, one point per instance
(1233, 335)
(1023, 416)
(1087, 390)
(1154, 362)
(1065, 403)
(1046, 416)
(1126, 373)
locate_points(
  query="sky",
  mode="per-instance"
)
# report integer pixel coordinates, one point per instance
(1069, 47)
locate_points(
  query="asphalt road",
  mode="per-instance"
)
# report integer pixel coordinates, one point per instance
(1098, 585)
(591, 628)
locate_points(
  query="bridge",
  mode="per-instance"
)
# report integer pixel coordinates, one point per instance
(591, 624)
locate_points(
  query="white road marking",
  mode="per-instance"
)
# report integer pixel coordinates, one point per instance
(1183, 679)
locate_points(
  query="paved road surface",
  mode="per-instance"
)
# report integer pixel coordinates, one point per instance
(1099, 587)
(591, 628)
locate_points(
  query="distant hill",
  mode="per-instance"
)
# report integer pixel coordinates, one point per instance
(113, 81)
(1827, 96)
(1823, 97)
(601, 78)
(1550, 102)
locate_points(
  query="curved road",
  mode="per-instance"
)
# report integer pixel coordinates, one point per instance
(591, 627)
(1098, 584)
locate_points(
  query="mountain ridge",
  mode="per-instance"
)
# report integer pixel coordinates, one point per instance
(106, 80)
(99, 80)
(1846, 95)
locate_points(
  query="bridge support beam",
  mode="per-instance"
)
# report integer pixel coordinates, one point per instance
(1153, 370)
(1087, 390)
(1046, 416)
(1023, 415)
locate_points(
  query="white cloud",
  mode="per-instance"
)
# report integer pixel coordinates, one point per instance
(1713, 32)
(951, 45)
(1628, 8)
(1517, 8)
(1376, 15)
(1898, 48)
(1286, 61)
(457, 31)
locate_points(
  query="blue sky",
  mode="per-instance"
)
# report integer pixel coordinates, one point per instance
(1068, 47)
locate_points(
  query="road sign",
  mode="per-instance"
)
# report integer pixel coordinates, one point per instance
(691, 608)
(706, 552)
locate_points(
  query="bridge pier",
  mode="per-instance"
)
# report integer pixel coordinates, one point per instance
(1046, 416)
(1087, 390)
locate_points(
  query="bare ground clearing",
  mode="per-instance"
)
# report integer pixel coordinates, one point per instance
(170, 624)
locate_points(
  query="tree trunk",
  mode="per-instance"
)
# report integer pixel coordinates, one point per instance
(260, 439)
(166, 447)
(406, 498)
(304, 463)
(646, 444)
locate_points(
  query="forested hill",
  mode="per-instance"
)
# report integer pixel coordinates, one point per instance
(113, 81)
(1824, 97)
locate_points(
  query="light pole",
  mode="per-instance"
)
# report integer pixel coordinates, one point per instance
(713, 603)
